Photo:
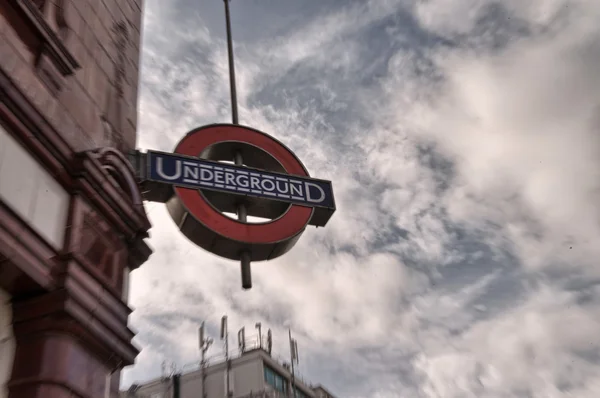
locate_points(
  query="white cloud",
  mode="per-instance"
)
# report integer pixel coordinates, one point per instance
(461, 171)
(460, 17)
(529, 350)
(522, 127)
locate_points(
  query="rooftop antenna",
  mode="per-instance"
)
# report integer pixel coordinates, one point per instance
(163, 369)
(225, 336)
(269, 341)
(293, 358)
(205, 343)
(259, 327)
(242, 212)
(242, 339)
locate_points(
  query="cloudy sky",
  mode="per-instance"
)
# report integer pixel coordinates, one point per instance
(462, 138)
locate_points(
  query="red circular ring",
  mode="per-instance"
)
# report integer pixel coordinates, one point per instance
(285, 227)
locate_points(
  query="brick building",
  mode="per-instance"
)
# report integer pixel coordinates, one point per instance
(72, 224)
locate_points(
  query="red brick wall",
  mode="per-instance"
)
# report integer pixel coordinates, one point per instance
(61, 92)
(91, 38)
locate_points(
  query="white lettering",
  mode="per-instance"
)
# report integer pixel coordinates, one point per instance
(254, 183)
(190, 171)
(285, 185)
(296, 190)
(229, 178)
(206, 175)
(271, 183)
(219, 177)
(161, 173)
(242, 181)
(311, 199)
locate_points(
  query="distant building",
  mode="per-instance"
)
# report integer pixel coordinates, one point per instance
(253, 374)
(321, 392)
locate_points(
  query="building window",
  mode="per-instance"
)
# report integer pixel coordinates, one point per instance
(275, 380)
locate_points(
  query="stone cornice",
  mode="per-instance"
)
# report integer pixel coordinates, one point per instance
(82, 172)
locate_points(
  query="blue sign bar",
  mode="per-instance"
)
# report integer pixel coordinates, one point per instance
(196, 173)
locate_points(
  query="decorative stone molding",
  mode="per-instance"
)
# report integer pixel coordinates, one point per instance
(68, 303)
(52, 58)
(83, 335)
(118, 166)
(70, 319)
(108, 180)
(7, 341)
(103, 176)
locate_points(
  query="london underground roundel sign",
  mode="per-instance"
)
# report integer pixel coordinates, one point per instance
(220, 170)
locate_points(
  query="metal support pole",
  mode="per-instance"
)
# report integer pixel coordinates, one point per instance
(246, 272)
(243, 216)
(234, 110)
(242, 212)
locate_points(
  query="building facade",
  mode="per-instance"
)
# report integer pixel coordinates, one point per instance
(72, 223)
(253, 374)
